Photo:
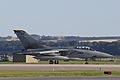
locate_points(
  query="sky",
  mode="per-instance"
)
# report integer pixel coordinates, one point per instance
(61, 17)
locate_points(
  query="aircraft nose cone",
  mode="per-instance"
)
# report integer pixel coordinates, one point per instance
(106, 55)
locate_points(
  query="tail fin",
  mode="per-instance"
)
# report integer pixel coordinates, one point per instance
(28, 41)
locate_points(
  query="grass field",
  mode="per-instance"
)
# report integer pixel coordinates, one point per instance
(36, 73)
(70, 62)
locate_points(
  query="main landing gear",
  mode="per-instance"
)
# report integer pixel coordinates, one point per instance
(53, 62)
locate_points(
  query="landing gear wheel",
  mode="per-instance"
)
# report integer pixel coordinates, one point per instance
(51, 62)
(86, 62)
(56, 62)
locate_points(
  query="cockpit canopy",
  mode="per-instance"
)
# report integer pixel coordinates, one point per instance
(84, 48)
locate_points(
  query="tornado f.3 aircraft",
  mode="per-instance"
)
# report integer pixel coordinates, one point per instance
(54, 54)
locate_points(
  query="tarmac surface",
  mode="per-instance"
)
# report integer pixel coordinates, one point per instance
(64, 78)
(57, 67)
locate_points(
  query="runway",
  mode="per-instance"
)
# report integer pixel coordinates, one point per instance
(64, 78)
(57, 67)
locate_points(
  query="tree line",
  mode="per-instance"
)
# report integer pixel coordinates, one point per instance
(109, 47)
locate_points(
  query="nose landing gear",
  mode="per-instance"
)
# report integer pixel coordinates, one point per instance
(86, 61)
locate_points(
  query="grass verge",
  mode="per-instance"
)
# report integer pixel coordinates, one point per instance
(63, 62)
(36, 73)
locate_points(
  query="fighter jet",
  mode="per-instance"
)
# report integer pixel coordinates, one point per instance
(54, 54)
